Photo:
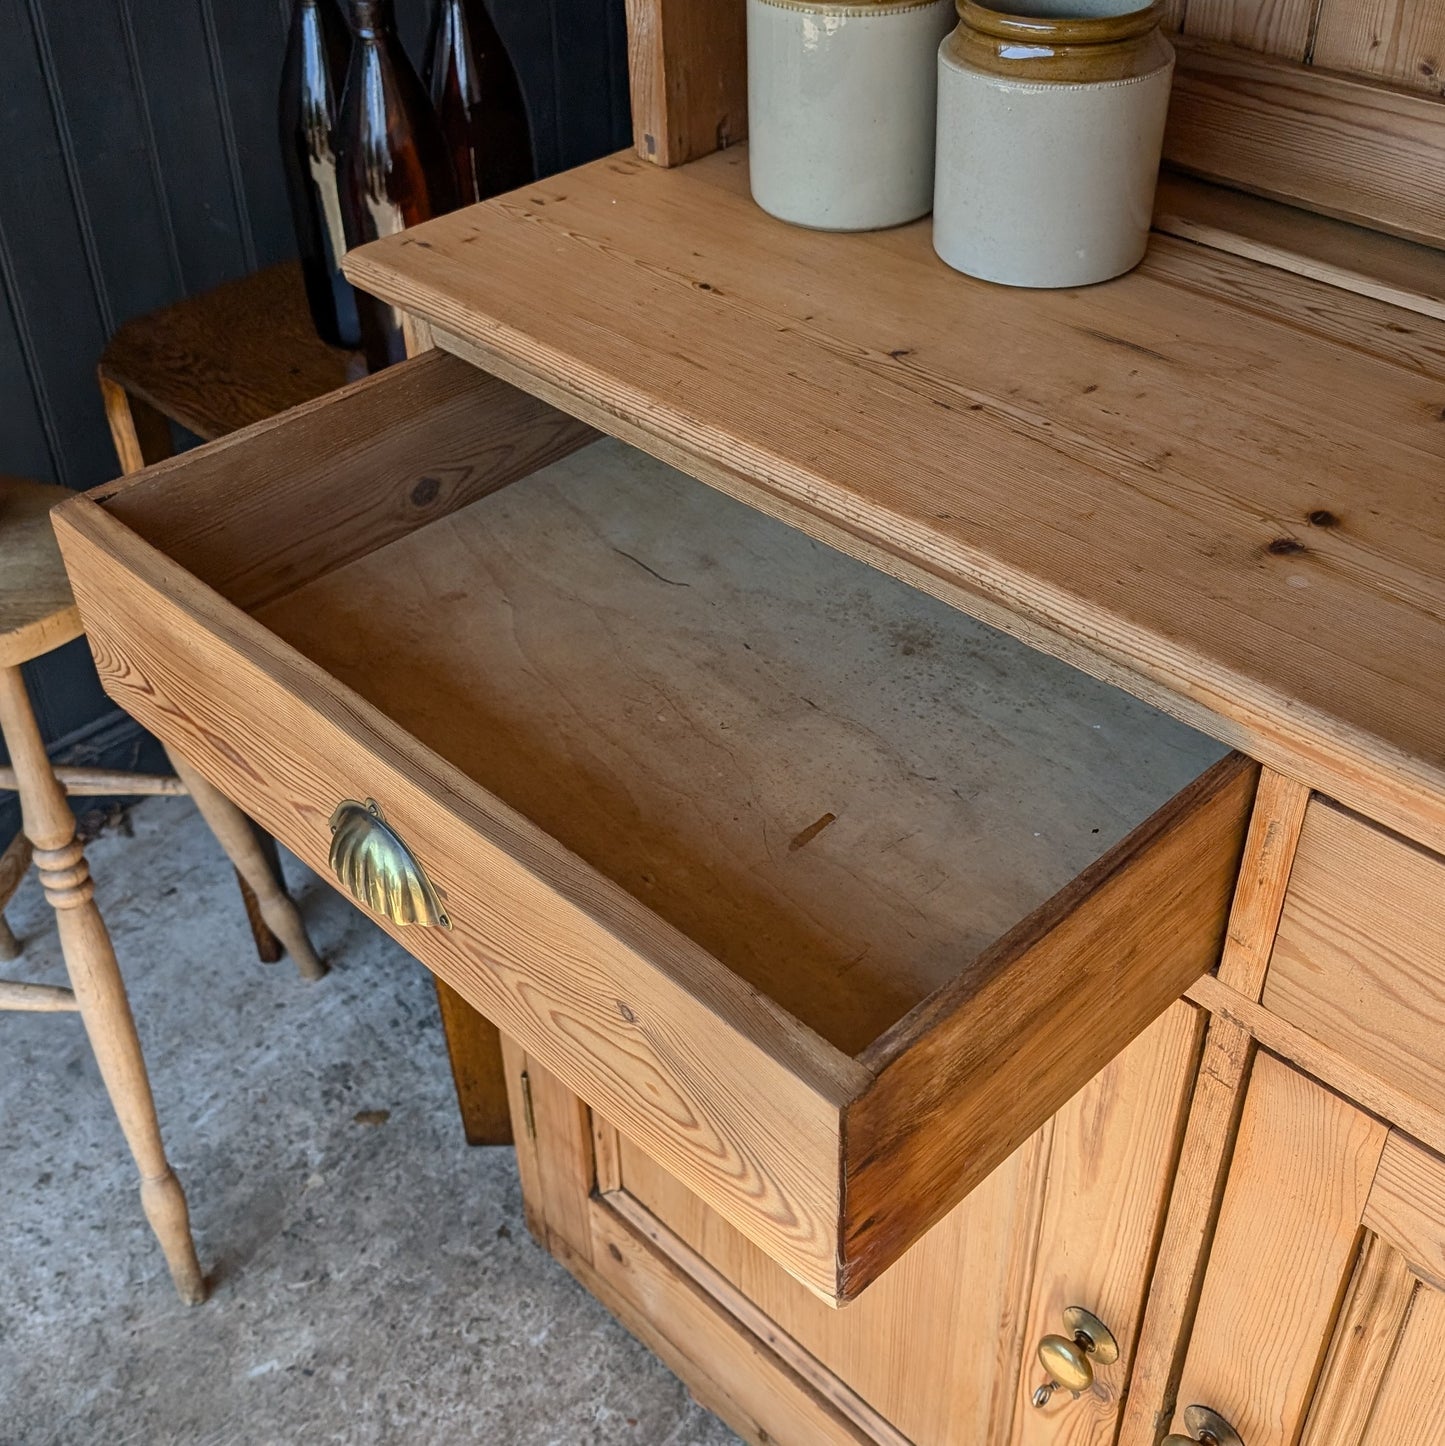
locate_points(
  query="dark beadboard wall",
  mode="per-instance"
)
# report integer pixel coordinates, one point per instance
(138, 164)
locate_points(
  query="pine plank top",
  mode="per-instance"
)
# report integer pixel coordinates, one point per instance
(1214, 483)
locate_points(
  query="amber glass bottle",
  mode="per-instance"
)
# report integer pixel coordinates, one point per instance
(478, 102)
(394, 168)
(311, 79)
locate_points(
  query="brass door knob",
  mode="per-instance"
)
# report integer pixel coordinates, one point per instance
(1206, 1427)
(1068, 1359)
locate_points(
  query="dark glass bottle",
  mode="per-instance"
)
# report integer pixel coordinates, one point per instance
(311, 78)
(478, 102)
(394, 169)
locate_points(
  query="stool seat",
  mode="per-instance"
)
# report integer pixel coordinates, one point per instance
(37, 608)
(226, 358)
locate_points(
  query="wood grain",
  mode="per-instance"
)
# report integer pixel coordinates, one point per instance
(730, 1371)
(1264, 873)
(1277, 27)
(141, 434)
(1426, 1120)
(522, 1108)
(98, 991)
(639, 1019)
(1371, 1319)
(226, 358)
(1111, 1168)
(1331, 143)
(687, 62)
(14, 864)
(746, 1314)
(1401, 41)
(758, 1393)
(705, 1058)
(1411, 1403)
(945, 1107)
(473, 1045)
(258, 865)
(1386, 268)
(941, 1364)
(1283, 1253)
(1359, 963)
(1214, 1115)
(339, 476)
(1072, 1217)
(37, 610)
(1194, 1204)
(1063, 448)
(1407, 1205)
(668, 684)
(106, 782)
(37, 998)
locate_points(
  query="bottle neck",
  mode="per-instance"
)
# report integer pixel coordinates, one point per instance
(372, 19)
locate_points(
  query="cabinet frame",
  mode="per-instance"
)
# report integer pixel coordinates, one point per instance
(1076, 1212)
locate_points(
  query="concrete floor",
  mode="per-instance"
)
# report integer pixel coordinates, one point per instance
(372, 1282)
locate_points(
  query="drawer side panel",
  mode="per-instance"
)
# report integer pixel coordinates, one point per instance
(1060, 996)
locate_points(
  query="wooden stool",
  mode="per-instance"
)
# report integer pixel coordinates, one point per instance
(215, 363)
(37, 613)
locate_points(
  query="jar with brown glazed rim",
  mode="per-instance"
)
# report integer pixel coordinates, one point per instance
(841, 109)
(1050, 127)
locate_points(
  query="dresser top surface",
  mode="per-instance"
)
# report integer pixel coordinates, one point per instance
(1216, 484)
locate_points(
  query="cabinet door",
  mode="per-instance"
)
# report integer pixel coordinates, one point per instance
(1322, 1315)
(941, 1350)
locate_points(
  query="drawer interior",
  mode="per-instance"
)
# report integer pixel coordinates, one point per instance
(826, 894)
(841, 788)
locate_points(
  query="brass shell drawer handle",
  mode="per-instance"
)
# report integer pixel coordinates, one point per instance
(377, 869)
(1206, 1428)
(1068, 1359)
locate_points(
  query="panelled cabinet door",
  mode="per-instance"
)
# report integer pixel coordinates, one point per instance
(1322, 1317)
(941, 1350)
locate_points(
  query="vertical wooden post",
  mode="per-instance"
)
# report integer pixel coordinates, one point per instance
(687, 66)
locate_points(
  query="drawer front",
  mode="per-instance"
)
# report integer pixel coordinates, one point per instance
(1359, 960)
(832, 1165)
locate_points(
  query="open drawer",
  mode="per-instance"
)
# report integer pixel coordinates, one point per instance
(824, 893)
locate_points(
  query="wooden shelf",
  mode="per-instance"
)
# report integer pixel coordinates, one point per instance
(1217, 484)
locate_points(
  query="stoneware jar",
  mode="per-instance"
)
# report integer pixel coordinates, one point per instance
(841, 109)
(1050, 125)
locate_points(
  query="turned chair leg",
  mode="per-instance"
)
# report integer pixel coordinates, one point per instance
(261, 871)
(14, 863)
(268, 947)
(94, 976)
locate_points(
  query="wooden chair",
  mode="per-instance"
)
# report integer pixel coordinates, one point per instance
(38, 613)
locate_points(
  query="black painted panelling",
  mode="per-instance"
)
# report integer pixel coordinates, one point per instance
(24, 442)
(138, 164)
(47, 255)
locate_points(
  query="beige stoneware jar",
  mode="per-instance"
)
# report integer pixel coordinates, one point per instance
(1050, 126)
(841, 109)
